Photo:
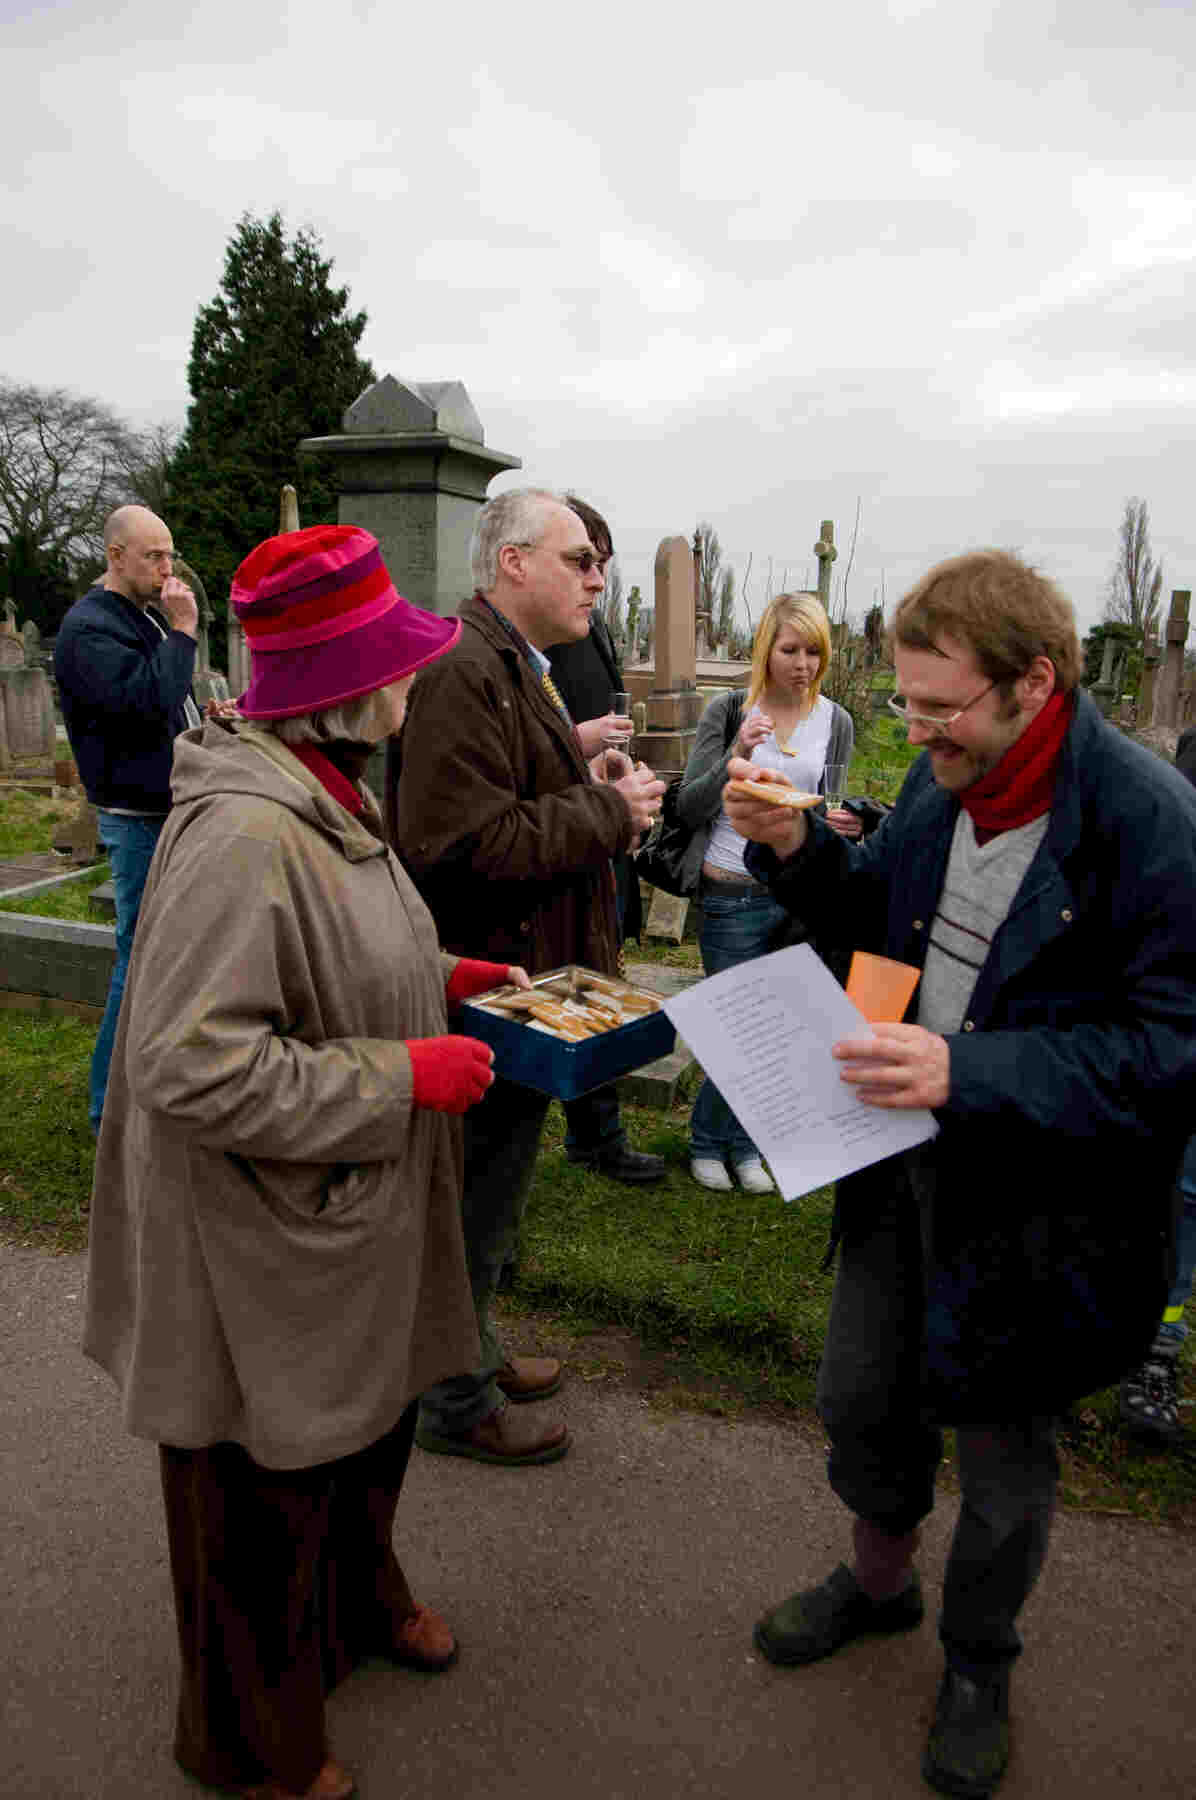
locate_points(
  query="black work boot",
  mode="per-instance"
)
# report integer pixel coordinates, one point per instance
(967, 1751)
(817, 1621)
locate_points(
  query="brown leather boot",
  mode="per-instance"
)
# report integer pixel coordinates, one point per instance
(502, 1437)
(529, 1377)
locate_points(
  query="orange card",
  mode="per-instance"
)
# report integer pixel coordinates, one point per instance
(880, 987)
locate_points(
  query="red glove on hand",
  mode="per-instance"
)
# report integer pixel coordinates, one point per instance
(449, 1074)
(469, 978)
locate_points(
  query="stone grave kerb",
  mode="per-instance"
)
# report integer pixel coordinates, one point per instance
(413, 468)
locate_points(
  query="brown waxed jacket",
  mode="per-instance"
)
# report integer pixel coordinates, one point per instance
(494, 812)
(276, 1246)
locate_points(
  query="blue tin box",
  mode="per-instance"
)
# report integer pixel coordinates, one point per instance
(551, 1066)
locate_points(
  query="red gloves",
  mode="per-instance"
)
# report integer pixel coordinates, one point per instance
(469, 978)
(449, 1074)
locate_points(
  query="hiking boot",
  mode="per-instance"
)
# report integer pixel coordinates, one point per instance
(967, 1751)
(1150, 1395)
(816, 1622)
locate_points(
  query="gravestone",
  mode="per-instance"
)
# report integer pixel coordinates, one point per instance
(28, 713)
(413, 469)
(674, 706)
(826, 553)
(207, 683)
(78, 837)
(1106, 687)
(1150, 663)
(1169, 680)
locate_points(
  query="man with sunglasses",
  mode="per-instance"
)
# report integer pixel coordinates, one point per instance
(510, 833)
(1038, 868)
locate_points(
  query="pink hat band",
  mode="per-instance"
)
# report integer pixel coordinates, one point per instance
(324, 623)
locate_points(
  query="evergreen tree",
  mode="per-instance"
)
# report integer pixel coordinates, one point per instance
(273, 360)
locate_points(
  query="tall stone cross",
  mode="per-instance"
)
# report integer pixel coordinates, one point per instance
(826, 553)
(1169, 679)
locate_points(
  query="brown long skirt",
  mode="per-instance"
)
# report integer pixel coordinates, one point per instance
(283, 1581)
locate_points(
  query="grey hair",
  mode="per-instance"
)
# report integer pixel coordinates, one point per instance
(516, 517)
(361, 721)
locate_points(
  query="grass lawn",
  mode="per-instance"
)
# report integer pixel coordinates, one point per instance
(68, 901)
(28, 821)
(724, 1290)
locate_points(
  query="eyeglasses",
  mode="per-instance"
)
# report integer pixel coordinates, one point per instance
(898, 704)
(582, 560)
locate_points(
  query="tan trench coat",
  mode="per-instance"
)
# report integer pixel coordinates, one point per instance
(276, 1248)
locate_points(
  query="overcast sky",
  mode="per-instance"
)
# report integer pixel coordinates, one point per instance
(741, 262)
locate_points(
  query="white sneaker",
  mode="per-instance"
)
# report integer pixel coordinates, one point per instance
(708, 1172)
(754, 1178)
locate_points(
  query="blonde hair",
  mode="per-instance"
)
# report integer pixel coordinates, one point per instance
(806, 613)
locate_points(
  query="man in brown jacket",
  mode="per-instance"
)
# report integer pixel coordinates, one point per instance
(509, 834)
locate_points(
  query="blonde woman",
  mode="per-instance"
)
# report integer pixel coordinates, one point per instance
(784, 722)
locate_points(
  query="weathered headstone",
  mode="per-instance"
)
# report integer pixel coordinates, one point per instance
(12, 650)
(826, 553)
(1169, 680)
(413, 469)
(78, 837)
(207, 683)
(666, 916)
(1150, 663)
(674, 706)
(28, 713)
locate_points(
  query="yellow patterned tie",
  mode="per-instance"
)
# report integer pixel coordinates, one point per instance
(554, 694)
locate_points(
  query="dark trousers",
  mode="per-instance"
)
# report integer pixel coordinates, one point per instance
(502, 1135)
(885, 1448)
(283, 1581)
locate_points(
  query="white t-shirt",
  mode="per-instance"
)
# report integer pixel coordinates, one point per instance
(809, 744)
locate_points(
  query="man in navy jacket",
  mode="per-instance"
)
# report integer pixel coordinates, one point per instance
(124, 659)
(1038, 868)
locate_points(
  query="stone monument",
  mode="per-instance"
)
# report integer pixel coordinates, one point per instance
(1150, 663)
(207, 683)
(826, 553)
(1169, 680)
(413, 469)
(27, 734)
(674, 706)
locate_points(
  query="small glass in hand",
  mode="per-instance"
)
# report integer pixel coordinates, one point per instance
(620, 705)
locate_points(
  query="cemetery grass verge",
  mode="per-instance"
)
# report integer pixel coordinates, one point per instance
(702, 1302)
(70, 900)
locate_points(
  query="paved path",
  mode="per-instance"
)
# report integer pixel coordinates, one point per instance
(604, 1605)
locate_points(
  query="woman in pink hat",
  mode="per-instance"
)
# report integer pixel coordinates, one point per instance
(277, 1268)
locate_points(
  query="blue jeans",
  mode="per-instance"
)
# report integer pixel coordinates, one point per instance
(130, 844)
(737, 925)
(1176, 1330)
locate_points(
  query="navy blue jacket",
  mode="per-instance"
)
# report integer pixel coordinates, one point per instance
(122, 687)
(1072, 1078)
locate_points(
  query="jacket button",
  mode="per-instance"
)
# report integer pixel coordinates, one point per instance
(918, 925)
(968, 1025)
(525, 927)
(1066, 915)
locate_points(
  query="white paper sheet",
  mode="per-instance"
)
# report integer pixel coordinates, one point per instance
(763, 1032)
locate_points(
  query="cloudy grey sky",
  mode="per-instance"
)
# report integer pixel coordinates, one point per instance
(742, 262)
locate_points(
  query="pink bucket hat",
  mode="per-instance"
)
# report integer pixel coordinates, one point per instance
(324, 623)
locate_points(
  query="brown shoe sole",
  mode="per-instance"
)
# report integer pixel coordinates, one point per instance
(521, 1395)
(459, 1446)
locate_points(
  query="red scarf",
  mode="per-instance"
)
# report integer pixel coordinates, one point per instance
(1020, 787)
(329, 777)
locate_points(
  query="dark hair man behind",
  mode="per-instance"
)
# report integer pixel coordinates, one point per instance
(123, 659)
(586, 672)
(1039, 869)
